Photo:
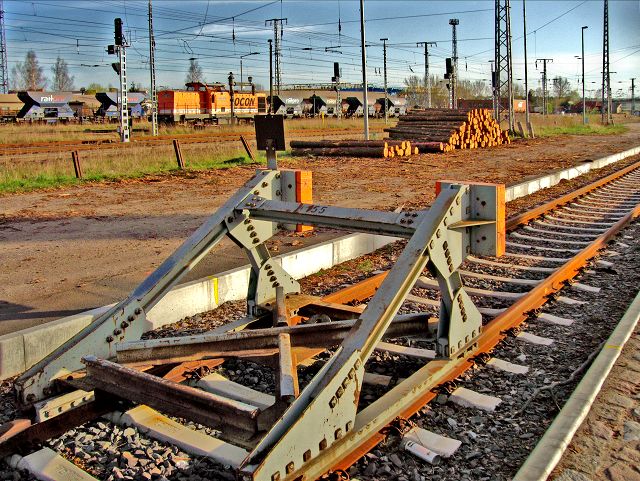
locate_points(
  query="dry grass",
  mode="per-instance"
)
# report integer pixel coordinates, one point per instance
(56, 169)
(29, 133)
(572, 124)
(29, 172)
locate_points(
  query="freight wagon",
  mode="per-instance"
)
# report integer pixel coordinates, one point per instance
(45, 106)
(109, 104)
(208, 102)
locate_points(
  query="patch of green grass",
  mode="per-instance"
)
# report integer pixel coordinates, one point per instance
(597, 129)
(365, 266)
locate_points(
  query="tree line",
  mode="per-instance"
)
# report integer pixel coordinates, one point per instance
(29, 75)
(561, 95)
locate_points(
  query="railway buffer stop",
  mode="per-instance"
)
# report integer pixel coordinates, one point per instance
(305, 430)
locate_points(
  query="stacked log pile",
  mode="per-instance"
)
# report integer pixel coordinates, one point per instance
(455, 129)
(362, 148)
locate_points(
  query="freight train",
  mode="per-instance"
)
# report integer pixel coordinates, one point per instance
(208, 103)
(198, 103)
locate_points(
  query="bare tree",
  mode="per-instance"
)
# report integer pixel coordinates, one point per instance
(473, 89)
(61, 78)
(415, 91)
(195, 72)
(561, 87)
(28, 75)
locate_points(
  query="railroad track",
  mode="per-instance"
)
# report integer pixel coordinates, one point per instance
(546, 248)
(99, 144)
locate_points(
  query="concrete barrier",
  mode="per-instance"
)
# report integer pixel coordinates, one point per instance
(22, 349)
(530, 186)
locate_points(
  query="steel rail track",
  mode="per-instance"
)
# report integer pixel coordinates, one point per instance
(609, 205)
(496, 329)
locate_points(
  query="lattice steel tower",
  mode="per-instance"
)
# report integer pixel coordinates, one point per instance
(503, 87)
(606, 78)
(277, 48)
(4, 69)
(454, 22)
(152, 71)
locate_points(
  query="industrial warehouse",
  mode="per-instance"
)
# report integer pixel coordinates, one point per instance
(295, 241)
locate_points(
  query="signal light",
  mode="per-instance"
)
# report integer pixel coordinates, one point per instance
(111, 49)
(118, 31)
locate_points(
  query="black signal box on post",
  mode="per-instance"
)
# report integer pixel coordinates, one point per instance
(119, 38)
(270, 132)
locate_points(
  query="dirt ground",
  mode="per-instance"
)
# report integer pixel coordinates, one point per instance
(67, 250)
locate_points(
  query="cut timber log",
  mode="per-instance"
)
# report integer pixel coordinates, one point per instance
(319, 144)
(425, 147)
(340, 152)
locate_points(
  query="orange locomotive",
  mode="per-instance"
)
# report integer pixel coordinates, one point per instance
(208, 102)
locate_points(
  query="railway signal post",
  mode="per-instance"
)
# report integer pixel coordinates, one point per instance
(121, 69)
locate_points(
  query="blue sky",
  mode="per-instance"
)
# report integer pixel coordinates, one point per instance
(79, 31)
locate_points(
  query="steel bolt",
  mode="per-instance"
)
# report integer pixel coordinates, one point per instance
(131, 318)
(137, 311)
(264, 184)
(278, 193)
(124, 324)
(290, 467)
(352, 373)
(349, 426)
(339, 392)
(333, 402)
(338, 433)
(270, 273)
(256, 241)
(268, 266)
(247, 221)
(109, 339)
(272, 278)
(117, 332)
(253, 234)
(256, 192)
